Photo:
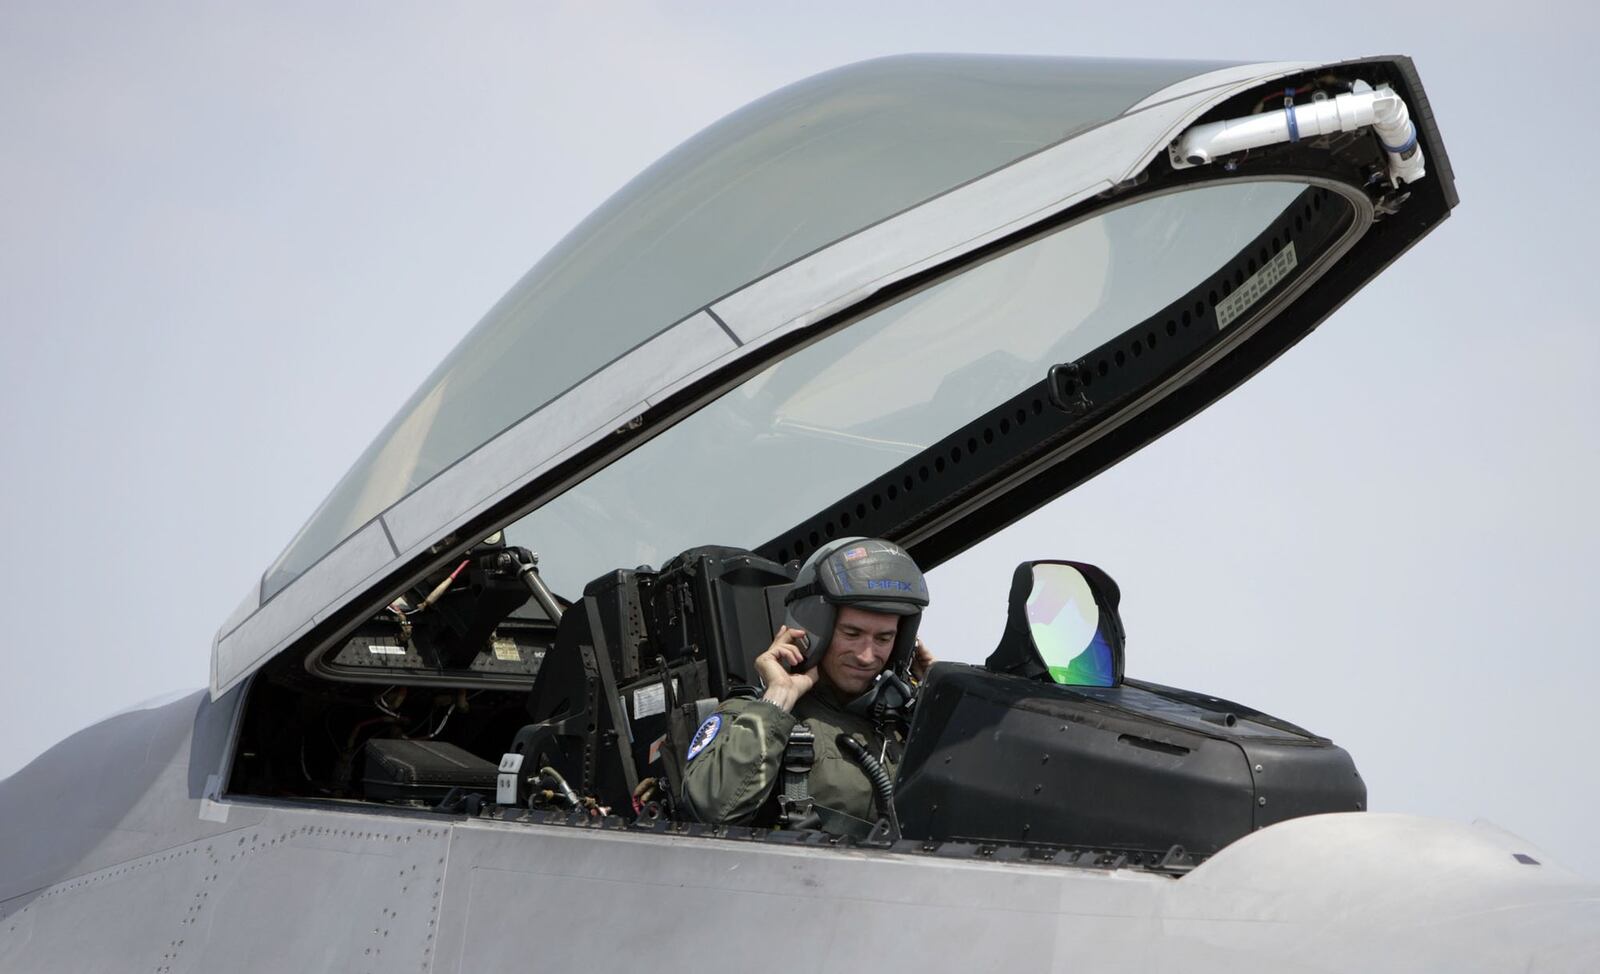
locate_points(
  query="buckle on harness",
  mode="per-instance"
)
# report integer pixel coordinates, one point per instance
(801, 751)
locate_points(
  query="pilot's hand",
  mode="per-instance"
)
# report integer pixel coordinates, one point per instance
(773, 667)
(921, 662)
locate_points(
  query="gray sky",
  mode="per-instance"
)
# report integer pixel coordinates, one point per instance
(234, 237)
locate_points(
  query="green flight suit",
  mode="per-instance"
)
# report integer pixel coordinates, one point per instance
(730, 779)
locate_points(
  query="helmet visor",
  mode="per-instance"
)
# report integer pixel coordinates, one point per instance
(1064, 621)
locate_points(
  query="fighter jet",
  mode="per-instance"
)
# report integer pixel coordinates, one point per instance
(445, 731)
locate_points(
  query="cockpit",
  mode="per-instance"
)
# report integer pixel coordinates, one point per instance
(480, 692)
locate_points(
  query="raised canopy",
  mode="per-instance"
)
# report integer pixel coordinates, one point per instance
(706, 269)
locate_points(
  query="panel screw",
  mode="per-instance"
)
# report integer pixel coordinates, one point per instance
(1258, 769)
(1262, 800)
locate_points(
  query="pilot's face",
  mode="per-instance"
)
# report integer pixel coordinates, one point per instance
(859, 649)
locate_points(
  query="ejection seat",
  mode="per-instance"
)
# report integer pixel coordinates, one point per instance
(637, 664)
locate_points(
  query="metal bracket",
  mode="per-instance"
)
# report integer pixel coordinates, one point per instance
(1066, 389)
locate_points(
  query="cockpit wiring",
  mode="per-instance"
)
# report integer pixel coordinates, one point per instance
(381, 701)
(445, 720)
(441, 588)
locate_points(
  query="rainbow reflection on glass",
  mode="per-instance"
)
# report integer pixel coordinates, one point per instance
(1064, 621)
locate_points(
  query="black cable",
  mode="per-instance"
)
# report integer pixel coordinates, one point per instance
(882, 786)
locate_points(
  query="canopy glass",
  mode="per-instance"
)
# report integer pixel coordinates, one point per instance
(806, 431)
(771, 183)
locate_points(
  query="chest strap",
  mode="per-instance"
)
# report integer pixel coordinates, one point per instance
(794, 795)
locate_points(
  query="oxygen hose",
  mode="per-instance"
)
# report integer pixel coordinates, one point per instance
(560, 786)
(882, 786)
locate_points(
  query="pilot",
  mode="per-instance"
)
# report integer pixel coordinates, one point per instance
(838, 667)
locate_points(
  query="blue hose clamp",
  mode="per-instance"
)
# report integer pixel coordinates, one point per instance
(1410, 144)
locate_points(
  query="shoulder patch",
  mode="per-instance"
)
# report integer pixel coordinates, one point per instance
(704, 736)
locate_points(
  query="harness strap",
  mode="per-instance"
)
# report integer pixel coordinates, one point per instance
(794, 797)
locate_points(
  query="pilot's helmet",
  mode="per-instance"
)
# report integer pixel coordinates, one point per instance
(866, 573)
